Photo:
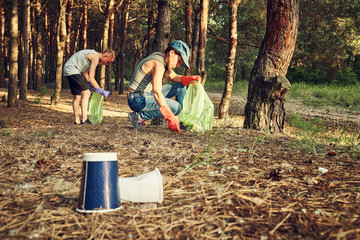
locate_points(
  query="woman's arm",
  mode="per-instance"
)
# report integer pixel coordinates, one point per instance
(158, 71)
(174, 76)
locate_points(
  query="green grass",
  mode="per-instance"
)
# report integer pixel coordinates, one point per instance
(5, 133)
(324, 95)
(240, 88)
(312, 136)
(321, 95)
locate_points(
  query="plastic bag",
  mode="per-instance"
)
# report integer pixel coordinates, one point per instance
(198, 110)
(96, 108)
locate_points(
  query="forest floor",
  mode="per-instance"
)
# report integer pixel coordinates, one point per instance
(228, 183)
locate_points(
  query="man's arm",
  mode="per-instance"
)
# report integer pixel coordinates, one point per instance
(90, 74)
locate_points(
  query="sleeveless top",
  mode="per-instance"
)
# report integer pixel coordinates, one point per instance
(141, 81)
(78, 63)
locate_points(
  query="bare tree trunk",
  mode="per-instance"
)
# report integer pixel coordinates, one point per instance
(111, 45)
(31, 83)
(81, 34)
(52, 47)
(47, 47)
(123, 37)
(39, 47)
(105, 39)
(69, 50)
(188, 30)
(230, 63)
(265, 107)
(69, 11)
(14, 49)
(61, 44)
(147, 41)
(2, 45)
(195, 44)
(162, 35)
(202, 40)
(25, 53)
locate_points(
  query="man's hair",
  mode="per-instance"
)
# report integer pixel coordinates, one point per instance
(109, 52)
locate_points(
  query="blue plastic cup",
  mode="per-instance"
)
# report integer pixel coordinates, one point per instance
(99, 190)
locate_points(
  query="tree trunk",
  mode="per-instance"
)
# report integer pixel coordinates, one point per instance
(150, 30)
(2, 45)
(202, 40)
(39, 47)
(265, 107)
(195, 44)
(69, 11)
(81, 35)
(61, 44)
(25, 52)
(162, 35)
(111, 46)
(188, 31)
(31, 83)
(105, 39)
(14, 49)
(230, 63)
(47, 47)
(69, 50)
(124, 20)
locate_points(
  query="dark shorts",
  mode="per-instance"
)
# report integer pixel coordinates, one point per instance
(77, 84)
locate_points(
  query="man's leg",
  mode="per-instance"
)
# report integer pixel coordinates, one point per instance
(85, 96)
(76, 108)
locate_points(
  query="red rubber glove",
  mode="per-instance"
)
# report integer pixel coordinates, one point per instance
(173, 122)
(185, 80)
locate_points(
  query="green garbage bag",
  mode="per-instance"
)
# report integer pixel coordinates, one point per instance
(96, 108)
(198, 111)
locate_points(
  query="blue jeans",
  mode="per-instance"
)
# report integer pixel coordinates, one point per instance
(147, 107)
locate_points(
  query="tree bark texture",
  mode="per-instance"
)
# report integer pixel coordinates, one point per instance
(61, 44)
(81, 35)
(230, 63)
(105, 39)
(265, 107)
(124, 20)
(150, 28)
(25, 53)
(2, 45)
(188, 31)
(31, 83)
(14, 49)
(195, 43)
(111, 46)
(202, 40)
(39, 46)
(162, 35)
(69, 12)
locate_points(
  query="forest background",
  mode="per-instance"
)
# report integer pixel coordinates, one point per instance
(327, 48)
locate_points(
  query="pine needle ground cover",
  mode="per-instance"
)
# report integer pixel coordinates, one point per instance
(230, 183)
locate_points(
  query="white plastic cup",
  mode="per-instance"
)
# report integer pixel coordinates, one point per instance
(99, 191)
(144, 188)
